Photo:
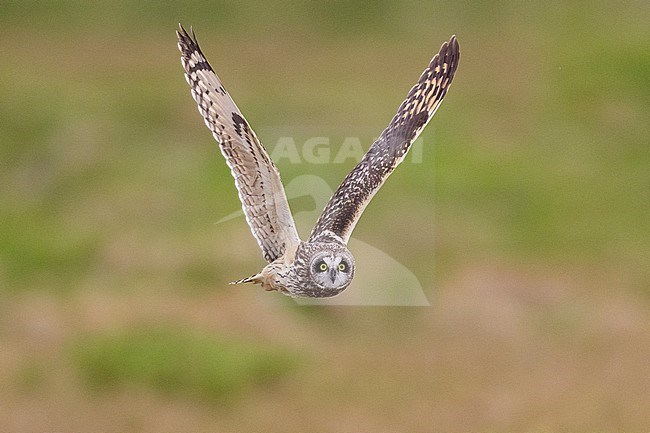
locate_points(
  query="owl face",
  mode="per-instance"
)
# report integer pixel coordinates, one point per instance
(332, 271)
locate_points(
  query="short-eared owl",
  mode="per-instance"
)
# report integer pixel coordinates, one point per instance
(322, 266)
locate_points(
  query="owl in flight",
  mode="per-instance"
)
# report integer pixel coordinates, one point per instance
(322, 266)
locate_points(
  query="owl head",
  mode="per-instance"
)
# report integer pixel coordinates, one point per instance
(328, 270)
(332, 271)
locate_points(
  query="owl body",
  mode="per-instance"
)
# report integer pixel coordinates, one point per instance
(322, 266)
(315, 269)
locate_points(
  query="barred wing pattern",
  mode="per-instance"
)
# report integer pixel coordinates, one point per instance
(351, 198)
(257, 179)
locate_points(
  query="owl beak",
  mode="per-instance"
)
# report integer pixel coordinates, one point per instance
(332, 274)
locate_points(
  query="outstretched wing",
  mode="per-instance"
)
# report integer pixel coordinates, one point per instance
(357, 189)
(256, 177)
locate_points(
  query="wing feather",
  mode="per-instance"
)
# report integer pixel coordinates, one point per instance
(344, 209)
(257, 179)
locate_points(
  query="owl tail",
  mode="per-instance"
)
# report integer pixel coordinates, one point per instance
(252, 279)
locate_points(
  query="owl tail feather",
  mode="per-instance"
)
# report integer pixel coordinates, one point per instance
(252, 279)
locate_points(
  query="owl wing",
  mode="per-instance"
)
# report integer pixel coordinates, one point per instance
(257, 179)
(357, 189)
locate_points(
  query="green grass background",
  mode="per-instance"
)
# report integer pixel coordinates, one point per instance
(527, 222)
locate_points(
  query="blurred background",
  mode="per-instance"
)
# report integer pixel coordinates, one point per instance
(526, 222)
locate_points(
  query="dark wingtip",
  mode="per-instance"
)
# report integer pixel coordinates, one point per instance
(181, 32)
(187, 41)
(453, 44)
(450, 47)
(450, 53)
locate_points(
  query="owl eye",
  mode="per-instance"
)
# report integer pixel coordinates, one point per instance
(323, 266)
(342, 267)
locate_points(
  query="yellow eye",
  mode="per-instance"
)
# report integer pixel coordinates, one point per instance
(323, 267)
(341, 266)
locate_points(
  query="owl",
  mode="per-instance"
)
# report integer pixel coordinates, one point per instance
(321, 266)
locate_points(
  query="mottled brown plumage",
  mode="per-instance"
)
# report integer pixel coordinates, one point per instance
(347, 204)
(322, 266)
(256, 177)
